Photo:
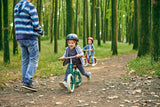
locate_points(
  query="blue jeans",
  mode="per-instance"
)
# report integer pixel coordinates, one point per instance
(92, 58)
(30, 56)
(81, 69)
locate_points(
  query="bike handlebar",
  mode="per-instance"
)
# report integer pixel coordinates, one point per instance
(86, 50)
(70, 57)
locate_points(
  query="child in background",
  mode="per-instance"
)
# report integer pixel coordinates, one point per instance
(73, 50)
(90, 48)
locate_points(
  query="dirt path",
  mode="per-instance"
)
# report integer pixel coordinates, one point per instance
(107, 88)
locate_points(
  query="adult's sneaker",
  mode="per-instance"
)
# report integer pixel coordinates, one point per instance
(28, 87)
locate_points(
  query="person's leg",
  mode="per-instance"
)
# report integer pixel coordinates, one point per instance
(92, 58)
(33, 50)
(82, 70)
(25, 58)
(89, 58)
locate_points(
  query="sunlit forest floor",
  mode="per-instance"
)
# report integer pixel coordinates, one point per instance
(111, 85)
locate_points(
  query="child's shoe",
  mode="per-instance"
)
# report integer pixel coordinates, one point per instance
(89, 77)
(86, 64)
(63, 84)
(93, 64)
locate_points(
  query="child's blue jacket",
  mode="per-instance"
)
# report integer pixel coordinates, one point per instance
(78, 50)
(87, 47)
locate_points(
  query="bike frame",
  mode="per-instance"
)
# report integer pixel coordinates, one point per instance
(75, 72)
(86, 56)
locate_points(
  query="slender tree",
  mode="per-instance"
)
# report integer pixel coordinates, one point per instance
(98, 23)
(70, 17)
(6, 34)
(88, 34)
(64, 17)
(105, 37)
(84, 23)
(45, 18)
(76, 21)
(114, 27)
(39, 8)
(135, 41)
(93, 18)
(15, 44)
(1, 41)
(55, 27)
(156, 30)
(144, 48)
(51, 22)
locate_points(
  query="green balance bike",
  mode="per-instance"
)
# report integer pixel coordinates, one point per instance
(74, 77)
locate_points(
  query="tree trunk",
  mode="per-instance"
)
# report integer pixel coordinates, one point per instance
(1, 34)
(84, 23)
(98, 23)
(93, 18)
(135, 41)
(76, 17)
(58, 20)
(15, 44)
(70, 17)
(55, 28)
(6, 33)
(51, 22)
(114, 27)
(144, 48)
(156, 30)
(88, 34)
(39, 8)
(64, 17)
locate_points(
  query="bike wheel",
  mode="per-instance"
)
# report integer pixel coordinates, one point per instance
(70, 83)
(78, 79)
(95, 61)
(85, 62)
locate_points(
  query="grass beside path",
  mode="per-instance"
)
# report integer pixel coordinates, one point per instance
(143, 66)
(48, 60)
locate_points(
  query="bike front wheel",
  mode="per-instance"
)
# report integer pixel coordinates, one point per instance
(70, 83)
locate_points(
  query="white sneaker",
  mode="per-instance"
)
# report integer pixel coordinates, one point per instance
(93, 64)
(63, 84)
(89, 77)
(86, 64)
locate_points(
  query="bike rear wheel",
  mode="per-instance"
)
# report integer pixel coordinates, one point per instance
(85, 62)
(70, 83)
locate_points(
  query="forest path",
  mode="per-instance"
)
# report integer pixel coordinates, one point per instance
(107, 88)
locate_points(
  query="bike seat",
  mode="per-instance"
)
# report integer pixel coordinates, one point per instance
(74, 66)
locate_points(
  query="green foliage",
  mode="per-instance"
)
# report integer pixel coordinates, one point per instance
(143, 66)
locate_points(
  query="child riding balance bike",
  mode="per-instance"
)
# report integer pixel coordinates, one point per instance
(75, 54)
(90, 49)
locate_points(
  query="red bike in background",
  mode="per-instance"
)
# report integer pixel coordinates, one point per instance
(88, 61)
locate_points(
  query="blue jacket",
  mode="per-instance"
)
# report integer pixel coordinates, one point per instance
(87, 47)
(26, 21)
(78, 50)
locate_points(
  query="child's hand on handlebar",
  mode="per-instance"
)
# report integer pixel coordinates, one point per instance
(90, 49)
(78, 56)
(62, 58)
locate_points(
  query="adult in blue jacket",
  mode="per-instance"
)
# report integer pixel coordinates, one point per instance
(27, 31)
